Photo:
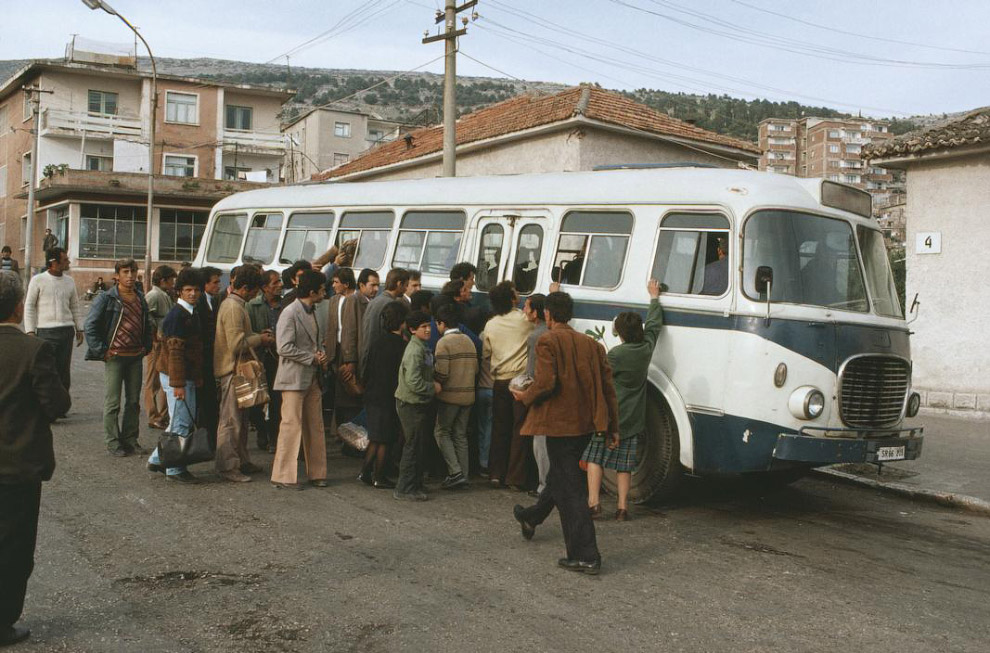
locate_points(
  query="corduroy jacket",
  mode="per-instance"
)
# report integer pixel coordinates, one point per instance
(572, 393)
(234, 336)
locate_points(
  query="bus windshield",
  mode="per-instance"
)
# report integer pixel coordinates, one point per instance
(813, 259)
(878, 275)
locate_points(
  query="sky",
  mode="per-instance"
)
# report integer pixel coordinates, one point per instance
(883, 58)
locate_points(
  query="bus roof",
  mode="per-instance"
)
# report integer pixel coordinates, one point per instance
(738, 188)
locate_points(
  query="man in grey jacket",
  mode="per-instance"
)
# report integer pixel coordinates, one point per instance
(299, 339)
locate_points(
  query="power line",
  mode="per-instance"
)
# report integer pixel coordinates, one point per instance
(786, 44)
(353, 19)
(856, 34)
(530, 17)
(500, 72)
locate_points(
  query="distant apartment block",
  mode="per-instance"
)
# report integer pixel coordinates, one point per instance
(829, 148)
(326, 138)
(211, 140)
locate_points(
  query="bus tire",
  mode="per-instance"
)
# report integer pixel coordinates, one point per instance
(659, 470)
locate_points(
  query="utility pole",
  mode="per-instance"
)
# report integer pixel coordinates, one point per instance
(35, 100)
(449, 18)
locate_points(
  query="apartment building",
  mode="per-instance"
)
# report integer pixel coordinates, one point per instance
(210, 140)
(829, 148)
(326, 138)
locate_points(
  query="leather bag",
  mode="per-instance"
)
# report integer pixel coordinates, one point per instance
(175, 450)
(250, 385)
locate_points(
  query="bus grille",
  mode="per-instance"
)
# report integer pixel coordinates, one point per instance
(873, 390)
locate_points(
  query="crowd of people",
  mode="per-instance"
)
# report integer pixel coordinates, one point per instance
(441, 387)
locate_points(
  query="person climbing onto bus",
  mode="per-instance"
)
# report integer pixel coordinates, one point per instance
(630, 362)
(717, 272)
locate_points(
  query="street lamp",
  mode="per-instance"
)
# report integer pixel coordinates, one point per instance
(101, 4)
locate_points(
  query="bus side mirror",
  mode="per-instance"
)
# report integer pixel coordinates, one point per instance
(555, 274)
(764, 279)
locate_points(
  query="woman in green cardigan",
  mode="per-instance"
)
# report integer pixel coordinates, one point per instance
(630, 363)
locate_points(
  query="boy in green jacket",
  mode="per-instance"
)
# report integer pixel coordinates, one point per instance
(630, 364)
(413, 398)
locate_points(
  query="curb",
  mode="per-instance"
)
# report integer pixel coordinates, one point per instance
(948, 499)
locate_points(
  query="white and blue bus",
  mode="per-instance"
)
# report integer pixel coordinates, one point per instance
(784, 344)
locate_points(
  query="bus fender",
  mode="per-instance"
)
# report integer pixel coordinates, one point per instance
(677, 406)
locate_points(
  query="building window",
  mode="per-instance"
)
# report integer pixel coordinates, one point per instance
(342, 129)
(340, 159)
(180, 166)
(26, 169)
(59, 218)
(230, 173)
(179, 233)
(182, 108)
(3, 181)
(834, 133)
(3, 120)
(112, 232)
(591, 248)
(28, 107)
(833, 148)
(239, 117)
(834, 177)
(99, 163)
(376, 135)
(103, 103)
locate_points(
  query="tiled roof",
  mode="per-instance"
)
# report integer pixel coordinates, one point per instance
(971, 129)
(529, 111)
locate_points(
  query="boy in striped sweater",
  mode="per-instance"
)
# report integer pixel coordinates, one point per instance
(456, 370)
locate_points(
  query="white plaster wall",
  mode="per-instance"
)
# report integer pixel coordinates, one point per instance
(57, 150)
(599, 147)
(266, 109)
(71, 92)
(951, 357)
(555, 152)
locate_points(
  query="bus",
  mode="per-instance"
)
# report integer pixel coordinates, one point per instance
(784, 346)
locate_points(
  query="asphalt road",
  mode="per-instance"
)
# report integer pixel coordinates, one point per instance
(128, 562)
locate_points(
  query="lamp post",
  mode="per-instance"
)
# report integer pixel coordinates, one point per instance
(101, 4)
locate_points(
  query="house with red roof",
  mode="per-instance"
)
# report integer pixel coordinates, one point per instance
(577, 129)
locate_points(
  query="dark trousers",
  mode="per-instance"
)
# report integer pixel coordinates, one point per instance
(507, 457)
(268, 428)
(417, 427)
(208, 401)
(61, 340)
(19, 506)
(567, 489)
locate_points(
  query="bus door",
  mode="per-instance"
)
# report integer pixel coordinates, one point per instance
(510, 246)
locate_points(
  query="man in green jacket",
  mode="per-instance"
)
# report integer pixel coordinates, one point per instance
(630, 364)
(413, 398)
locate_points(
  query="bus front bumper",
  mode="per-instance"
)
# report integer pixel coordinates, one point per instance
(849, 446)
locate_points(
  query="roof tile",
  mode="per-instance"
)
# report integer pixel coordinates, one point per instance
(971, 129)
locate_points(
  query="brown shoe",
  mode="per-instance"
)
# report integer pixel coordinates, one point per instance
(596, 511)
(621, 515)
(235, 476)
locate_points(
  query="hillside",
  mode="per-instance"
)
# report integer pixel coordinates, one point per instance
(417, 98)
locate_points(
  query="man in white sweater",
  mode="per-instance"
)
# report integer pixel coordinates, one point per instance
(52, 310)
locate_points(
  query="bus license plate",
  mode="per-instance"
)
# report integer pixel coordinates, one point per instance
(890, 453)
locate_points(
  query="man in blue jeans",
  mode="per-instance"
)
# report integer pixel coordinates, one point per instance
(180, 366)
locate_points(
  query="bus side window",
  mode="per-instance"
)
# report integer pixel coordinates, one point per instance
(262, 238)
(370, 231)
(592, 247)
(226, 238)
(306, 236)
(489, 256)
(429, 241)
(693, 254)
(529, 250)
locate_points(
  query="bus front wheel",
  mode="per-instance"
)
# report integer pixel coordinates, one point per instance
(659, 470)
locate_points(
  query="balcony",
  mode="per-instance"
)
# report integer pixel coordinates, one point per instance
(134, 185)
(58, 122)
(851, 164)
(254, 142)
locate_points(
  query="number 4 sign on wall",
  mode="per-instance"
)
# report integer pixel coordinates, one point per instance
(928, 242)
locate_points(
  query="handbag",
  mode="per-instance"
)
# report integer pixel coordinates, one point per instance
(250, 386)
(176, 450)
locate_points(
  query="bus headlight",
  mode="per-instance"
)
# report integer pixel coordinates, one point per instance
(806, 402)
(914, 404)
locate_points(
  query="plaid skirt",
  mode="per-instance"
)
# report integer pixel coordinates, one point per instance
(621, 459)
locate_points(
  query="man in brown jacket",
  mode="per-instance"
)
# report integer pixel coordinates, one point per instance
(343, 343)
(234, 339)
(570, 399)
